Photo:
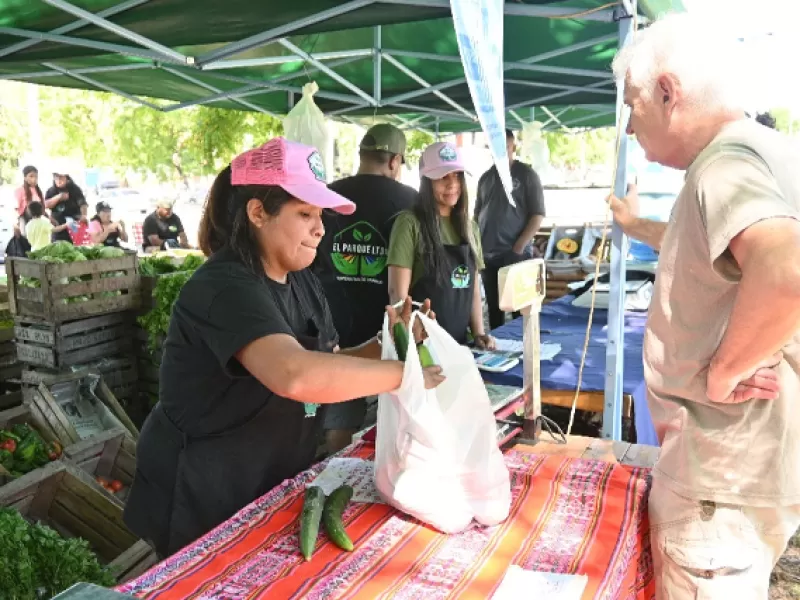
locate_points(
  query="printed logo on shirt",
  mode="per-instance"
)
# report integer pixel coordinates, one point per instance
(515, 184)
(447, 154)
(359, 253)
(460, 277)
(316, 165)
(173, 228)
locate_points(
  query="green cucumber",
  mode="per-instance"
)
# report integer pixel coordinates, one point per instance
(332, 517)
(313, 505)
(425, 358)
(400, 340)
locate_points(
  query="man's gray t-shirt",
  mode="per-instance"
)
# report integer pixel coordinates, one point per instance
(748, 453)
(499, 222)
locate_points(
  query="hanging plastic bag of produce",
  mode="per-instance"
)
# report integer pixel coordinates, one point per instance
(306, 124)
(436, 454)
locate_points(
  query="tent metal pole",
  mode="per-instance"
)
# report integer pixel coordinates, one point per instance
(109, 12)
(101, 86)
(567, 88)
(246, 63)
(585, 118)
(555, 118)
(81, 71)
(521, 10)
(377, 64)
(413, 108)
(216, 90)
(327, 70)
(424, 91)
(542, 99)
(261, 39)
(406, 71)
(615, 364)
(121, 31)
(507, 66)
(519, 119)
(39, 36)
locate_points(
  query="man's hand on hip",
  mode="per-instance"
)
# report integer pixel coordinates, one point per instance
(761, 384)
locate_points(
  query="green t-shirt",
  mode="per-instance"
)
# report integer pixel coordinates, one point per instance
(405, 249)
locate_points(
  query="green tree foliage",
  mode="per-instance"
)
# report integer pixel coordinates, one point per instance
(417, 142)
(582, 148)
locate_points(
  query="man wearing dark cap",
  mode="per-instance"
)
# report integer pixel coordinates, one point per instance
(351, 260)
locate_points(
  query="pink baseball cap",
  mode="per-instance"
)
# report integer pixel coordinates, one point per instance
(440, 159)
(295, 167)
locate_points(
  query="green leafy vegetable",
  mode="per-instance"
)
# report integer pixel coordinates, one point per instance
(36, 562)
(166, 292)
(28, 451)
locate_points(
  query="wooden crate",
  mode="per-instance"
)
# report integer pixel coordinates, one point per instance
(48, 302)
(111, 454)
(58, 345)
(44, 406)
(65, 498)
(16, 416)
(119, 372)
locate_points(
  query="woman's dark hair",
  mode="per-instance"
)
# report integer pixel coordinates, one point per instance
(27, 187)
(225, 221)
(767, 120)
(35, 209)
(427, 212)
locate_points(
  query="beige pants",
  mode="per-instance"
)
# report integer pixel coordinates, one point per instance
(711, 551)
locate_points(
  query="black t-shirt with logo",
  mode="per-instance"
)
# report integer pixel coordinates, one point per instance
(166, 229)
(351, 261)
(500, 223)
(69, 208)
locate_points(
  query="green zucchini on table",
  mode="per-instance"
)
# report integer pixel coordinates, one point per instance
(313, 504)
(332, 517)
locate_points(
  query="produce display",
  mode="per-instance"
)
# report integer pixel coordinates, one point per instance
(171, 279)
(110, 485)
(22, 450)
(62, 252)
(36, 562)
(316, 508)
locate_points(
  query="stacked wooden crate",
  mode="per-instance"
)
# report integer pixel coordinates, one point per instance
(66, 499)
(65, 325)
(10, 367)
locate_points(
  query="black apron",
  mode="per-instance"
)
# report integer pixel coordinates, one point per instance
(195, 483)
(451, 300)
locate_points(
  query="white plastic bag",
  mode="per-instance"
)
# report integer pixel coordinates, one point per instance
(436, 453)
(306, 124)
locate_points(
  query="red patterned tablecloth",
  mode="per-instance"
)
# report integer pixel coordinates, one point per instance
(568, 515)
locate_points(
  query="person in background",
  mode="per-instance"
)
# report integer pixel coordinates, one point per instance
(767, 120)
(435, 248)
(67, 204)
(251, 359)
(507, 231)
(28, 192)
(39, 229)
(163, 229)
(722, 343)
(351, 258)
(103, 230)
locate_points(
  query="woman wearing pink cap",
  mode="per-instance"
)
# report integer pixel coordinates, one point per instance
(249, 361)
(435, 249)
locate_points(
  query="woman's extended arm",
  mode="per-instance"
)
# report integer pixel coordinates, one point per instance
(399, 283)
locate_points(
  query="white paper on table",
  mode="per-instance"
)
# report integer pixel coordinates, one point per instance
(547, 350)
(357, 473)
(519, 583)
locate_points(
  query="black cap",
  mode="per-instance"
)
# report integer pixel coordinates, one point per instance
(101, 206)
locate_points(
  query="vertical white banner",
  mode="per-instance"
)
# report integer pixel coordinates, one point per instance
(479, 30)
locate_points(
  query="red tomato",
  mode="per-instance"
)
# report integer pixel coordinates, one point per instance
(116, 485)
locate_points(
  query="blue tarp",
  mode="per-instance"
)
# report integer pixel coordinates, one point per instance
(565, 324)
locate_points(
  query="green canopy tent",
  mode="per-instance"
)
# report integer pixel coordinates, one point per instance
(397, 59)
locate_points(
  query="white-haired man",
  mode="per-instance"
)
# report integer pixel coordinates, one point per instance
(722, 346)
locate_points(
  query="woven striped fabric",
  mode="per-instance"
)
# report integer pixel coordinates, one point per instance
(568, 515)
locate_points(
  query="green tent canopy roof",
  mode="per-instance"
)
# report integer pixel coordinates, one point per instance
(369, 58)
